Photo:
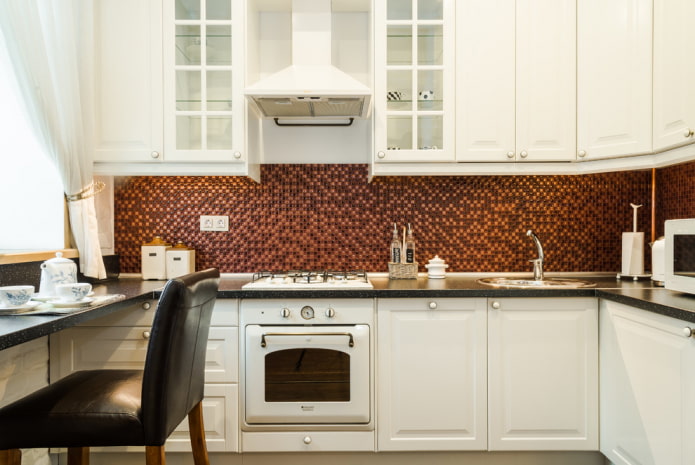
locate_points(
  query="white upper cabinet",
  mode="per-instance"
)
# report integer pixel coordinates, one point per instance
(127, 53)
(515, 80)
(414, 81)
(614, 88)
(674, 73)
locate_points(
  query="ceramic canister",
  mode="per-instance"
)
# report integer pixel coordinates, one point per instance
(154, 259)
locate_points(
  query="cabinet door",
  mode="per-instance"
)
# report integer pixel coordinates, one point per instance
(485, 80)
(647, 388)
(543, 374)
(546, 80)
(674, 73)
(414, 81)
(127, 53)
(203, 81)
(432, 374)
(614, 87)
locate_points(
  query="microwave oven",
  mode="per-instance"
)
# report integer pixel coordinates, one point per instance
(679, 256)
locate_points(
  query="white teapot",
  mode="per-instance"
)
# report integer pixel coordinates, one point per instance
(54, 271)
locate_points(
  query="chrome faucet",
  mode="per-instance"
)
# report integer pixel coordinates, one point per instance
(538, 262)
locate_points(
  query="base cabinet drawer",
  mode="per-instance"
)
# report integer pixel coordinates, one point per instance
(305, 441)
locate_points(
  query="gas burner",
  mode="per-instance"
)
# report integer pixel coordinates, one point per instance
(309, 279)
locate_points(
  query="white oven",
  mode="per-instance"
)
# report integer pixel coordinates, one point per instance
(307, 364)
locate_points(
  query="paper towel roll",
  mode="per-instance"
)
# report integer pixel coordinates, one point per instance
(633, 253)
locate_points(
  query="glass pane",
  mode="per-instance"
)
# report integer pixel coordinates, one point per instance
(431, 90)
(430, 46)
(219, 132)
(430, 9)
(219, 45)
(187, 45)
(218, 9)
(187, 9)
(429, 135)
(188, 132)
(307, 375)
(399, 93)
(188, 96)
(399, 9)
(219, 94)
(399, 45)
(399, 133)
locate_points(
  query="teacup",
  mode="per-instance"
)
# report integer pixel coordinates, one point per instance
(73, 292)
(15, 296)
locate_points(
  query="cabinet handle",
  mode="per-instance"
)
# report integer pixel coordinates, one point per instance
(582, 153)
(154, 154)
(433, 305)
(524, 154)
(237, 155)
(496, 305)
(689, 133)
(381, 154)
(146, 305)
(146, 334)
(510, 154)
(307, 439)
(688, 332)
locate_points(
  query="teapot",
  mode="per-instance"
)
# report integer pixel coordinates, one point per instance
(54, 271)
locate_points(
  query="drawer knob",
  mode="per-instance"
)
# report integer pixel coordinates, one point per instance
(687, 332)
(307, 439)
(154, 154)
(524, 154)
(582, 153)
(381, 154)
(146, 334)
(433, 305)
(146, 305)
(689, 133)
(237, 155)
(510, 154)
(496, 305)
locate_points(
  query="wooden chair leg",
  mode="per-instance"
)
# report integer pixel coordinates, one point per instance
(197, 428)
(78, 455)
(154, 455)
(11, 457)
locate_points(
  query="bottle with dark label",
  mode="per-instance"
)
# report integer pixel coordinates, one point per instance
(395, 246)
(409, 246)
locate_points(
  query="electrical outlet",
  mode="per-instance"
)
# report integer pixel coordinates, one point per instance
(214, 223)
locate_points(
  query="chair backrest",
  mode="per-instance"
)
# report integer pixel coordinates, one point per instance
(174, 375)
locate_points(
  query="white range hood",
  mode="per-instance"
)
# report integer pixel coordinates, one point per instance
(311, 87)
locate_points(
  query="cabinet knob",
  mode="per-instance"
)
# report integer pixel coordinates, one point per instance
(433, 305)
(582, 153)
(146, 334)
(307, 439)
(688, 133)
(146, 305)
(523, 154)
(510, 154)
(496, 305)
(330, 312)
(381, 154)
(237, 155)
(687, 332)
(285, 312)
(154, 154)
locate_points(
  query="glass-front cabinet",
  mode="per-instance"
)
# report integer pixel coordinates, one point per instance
(204, 80)
(414, 88)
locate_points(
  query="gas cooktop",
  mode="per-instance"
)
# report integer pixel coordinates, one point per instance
(310, 279)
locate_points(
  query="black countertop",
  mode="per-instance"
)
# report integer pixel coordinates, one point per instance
(641, 294)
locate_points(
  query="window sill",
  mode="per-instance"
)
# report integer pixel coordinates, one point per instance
(24, 256)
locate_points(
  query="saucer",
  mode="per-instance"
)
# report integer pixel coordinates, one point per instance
(18, 309)
(49, 298)
(71, 304)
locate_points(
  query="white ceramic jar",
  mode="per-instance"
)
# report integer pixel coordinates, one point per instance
(55, 271)
(436, 268)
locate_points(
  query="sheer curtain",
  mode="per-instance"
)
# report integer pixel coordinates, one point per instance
(42, 38)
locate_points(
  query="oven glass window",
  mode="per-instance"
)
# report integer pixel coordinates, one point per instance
(307, 375)
(684, 255)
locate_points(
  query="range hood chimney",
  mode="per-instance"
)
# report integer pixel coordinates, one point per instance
(311, 87)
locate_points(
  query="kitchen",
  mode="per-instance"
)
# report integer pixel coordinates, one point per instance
(330, 216)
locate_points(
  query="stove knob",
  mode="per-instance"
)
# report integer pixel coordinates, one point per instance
(285, 313)
(330, 313)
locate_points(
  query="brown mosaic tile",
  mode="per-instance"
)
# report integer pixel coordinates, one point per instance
(329, 216)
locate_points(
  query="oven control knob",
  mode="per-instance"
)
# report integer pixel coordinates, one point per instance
(285, 312)
(307, 312)
(307, 439)
(330, 313)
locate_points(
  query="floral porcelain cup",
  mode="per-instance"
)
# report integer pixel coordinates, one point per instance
(15, 296)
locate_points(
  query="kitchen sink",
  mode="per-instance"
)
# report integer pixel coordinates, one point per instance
(549, 283)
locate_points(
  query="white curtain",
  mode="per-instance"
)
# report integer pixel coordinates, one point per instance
(43, 39)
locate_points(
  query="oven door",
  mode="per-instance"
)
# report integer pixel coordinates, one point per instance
(307, 374)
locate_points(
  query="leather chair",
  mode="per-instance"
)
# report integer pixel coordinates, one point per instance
(101, 408)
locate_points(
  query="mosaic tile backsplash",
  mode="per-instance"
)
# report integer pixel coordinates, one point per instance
(329, 216)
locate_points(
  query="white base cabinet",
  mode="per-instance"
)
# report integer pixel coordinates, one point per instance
(647, 388)
(543, 374)
(431, 384)
(119, 341)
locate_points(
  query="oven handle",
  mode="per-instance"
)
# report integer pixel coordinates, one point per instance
(351, 342)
